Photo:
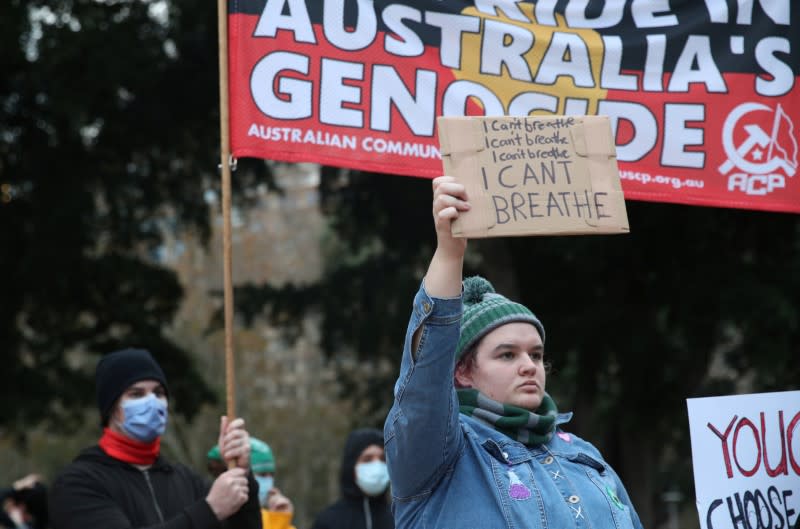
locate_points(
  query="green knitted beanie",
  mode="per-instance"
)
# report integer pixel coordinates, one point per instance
(261, 458)
(485, 310)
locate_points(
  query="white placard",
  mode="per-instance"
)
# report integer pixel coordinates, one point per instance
(746, 460)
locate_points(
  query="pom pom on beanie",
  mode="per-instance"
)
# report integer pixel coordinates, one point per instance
(485, 310)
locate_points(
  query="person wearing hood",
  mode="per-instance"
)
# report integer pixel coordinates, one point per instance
(276, 509)
(123, 482)
(365, 481)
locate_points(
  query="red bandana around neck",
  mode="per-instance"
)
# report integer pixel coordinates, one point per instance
(129, 450)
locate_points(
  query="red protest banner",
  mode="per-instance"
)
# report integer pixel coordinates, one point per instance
(702, 98)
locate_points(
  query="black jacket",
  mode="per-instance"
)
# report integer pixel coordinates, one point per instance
(96, 490)
(355, 510)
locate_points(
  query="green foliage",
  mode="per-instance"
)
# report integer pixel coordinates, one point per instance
(108, 140)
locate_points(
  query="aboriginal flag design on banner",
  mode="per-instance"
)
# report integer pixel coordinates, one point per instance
(702, 95)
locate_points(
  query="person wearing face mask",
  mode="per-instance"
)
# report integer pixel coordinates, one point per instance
(124, 482)
(364, 481)
(276, 509)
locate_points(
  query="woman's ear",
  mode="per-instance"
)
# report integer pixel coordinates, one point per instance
(463, 376)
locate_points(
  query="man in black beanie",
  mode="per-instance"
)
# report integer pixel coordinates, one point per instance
(124, 482)
(117, 371)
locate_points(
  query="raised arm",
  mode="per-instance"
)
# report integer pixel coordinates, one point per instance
(443, 279)
(421, 434)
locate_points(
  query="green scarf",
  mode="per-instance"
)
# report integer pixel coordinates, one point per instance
(527, 427)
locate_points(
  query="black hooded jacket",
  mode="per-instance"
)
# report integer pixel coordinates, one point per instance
(97, 490)
(355, 510)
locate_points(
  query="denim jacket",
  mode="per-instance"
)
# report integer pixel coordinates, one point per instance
(449, 470)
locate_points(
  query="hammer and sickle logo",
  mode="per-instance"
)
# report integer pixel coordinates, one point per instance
(758, 138)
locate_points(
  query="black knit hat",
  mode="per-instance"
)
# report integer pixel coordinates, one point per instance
(117, 371)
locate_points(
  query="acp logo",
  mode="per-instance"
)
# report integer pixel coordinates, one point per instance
(761, 160)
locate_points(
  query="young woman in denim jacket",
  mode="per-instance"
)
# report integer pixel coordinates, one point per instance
(473, 440)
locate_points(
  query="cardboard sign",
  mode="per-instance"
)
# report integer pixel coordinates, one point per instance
(534, 175)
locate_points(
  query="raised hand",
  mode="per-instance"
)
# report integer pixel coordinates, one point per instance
(449, 200)
(443, 278)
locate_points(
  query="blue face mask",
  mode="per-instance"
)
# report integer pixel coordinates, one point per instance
(265, 483)
(372, 478)
(145, 418)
